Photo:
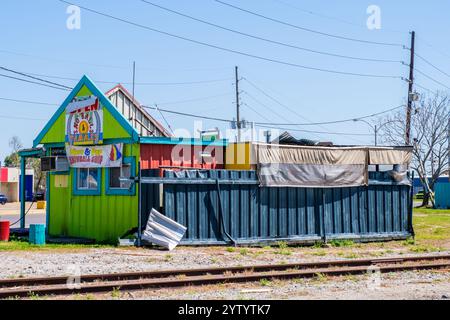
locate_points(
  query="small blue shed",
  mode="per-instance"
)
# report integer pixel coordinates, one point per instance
(442, 195)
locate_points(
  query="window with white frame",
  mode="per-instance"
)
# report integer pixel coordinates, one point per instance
(87, 179)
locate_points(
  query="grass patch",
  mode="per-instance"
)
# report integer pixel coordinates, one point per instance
(22, 245)
(168, 258)
(283, 248)
(320, 277)
(265, 282)
(423, 249)
(431, 224)
(115, 293)
(319, 253)
(341, 243)
(244, 251)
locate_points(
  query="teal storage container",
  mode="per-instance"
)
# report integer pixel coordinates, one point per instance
(37, 234)
(442, 195)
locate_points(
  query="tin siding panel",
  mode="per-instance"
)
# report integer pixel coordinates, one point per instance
(252, 213)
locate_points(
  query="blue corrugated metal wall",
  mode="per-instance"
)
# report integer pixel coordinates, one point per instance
(252, 214)
(442, 195)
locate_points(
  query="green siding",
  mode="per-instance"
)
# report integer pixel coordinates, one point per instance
(103, 218)
(111, 128)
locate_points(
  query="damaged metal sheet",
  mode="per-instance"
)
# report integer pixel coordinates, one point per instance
(163, 231)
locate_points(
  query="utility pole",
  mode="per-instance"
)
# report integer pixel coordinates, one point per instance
(410, 91)
(376, 135)
(238, 119)
(448, 155)
(134, 76)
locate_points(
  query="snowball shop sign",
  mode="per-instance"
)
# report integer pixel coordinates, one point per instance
(95, 156)
(84, 121)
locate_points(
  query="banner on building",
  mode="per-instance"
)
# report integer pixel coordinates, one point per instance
(110, 155)
(84, 121)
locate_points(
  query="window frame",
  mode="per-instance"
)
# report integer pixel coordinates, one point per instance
(122, 191)
(87, 192)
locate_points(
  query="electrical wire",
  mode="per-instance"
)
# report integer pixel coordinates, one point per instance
(333, 122)
(188, 114)
(319, 132)
(139, 83)
(21, 118)
(28, 101)
(308, 29)
(35, 78)
(431, 64)
(431, 78)
(268, 40)
(33, 82)
(231, 50)
(52, 59)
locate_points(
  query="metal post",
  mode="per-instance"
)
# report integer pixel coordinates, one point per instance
(376, 132)
(410, 91)
(140, 205)
(238, 120)
(22, 191)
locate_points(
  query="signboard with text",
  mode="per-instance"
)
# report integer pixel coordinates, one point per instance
(105, 156)
(84, 121)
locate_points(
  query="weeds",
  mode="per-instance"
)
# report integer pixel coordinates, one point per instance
(265, 282)
(115, 293)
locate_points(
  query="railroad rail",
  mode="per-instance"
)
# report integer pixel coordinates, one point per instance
(23, 287)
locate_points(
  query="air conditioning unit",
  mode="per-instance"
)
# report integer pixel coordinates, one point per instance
(62, 164)
(54, 164)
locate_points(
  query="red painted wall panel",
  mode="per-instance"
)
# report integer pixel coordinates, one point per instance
(155, 156)
(3, 174)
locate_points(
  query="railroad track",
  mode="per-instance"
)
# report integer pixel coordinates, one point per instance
(23, 287)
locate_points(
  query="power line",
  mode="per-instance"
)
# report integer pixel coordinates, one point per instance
(255, 111)
(431, 78)
(21, 118)
(188, 114)
(308, 29)
(275, 100)
(264, 105)
(35, 78)
(52, 59)
(431, 64)
(318, 132)
(425, 88)
(231, 50)
(333, 122)
(140, 83)
(269, 40)
(33, 82)
(28, 101)
(195, 99)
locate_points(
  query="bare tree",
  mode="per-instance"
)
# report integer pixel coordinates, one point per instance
(15, 144)
(429, 131)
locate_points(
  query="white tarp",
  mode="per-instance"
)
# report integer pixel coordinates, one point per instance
(390, 156)
(163, 231)
(300, 166)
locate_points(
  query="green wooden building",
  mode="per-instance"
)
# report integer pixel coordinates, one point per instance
(94, 202)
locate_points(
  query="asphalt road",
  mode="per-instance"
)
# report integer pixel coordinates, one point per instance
(11, 213)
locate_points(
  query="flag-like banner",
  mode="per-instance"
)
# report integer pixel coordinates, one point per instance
(110, 155)
(84, 121)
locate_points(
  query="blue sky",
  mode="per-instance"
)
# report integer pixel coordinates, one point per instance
(35, 40)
